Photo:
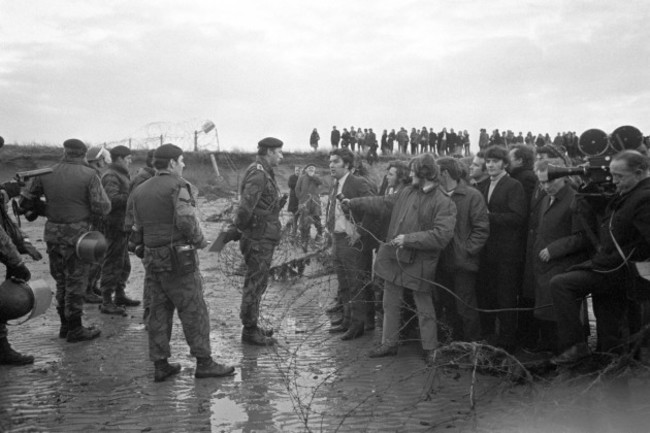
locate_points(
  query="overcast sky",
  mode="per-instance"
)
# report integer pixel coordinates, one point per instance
(104, 71)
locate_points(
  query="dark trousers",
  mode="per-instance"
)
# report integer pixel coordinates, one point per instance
(350, 262)
(499, 290)
(71, 277)
(117, 265)
(462, 316)
(258, 255)
(609, 301)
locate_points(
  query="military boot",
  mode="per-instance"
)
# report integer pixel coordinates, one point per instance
(78, 332)
(163, 370)
(64, 328)
(206, 367)
(111, 308)
(8, 356)
(255, 337)
(91, 298)
(124, 301)
(108, 307)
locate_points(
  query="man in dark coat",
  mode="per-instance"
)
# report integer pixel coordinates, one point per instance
(522, 159)
(560, 242)
(624, 235)
(459, 262)
(292, 206)
(502, 256)
(349, 254)
(335, 137)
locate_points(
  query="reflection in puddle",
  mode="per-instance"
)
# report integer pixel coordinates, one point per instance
(226, 414)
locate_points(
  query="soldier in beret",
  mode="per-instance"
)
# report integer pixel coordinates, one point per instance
(144, 174)
(167, 229)
(117, 266)
(74, 195)
(258, 220)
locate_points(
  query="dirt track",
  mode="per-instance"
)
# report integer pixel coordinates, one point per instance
(311, 382)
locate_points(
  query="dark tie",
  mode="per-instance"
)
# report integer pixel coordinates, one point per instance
(331, 207)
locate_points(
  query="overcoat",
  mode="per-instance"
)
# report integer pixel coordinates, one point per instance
(427, 219)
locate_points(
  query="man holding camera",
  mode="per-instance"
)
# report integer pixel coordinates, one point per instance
(167, 229)
(624, 237)
(258, 221)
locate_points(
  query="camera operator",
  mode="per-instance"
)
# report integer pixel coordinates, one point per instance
(607, 276)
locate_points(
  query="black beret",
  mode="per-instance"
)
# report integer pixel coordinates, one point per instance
(168, 151)
(74, 144)
(270, 142)
(120, 151)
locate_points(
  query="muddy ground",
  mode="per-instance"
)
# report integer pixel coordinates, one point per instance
(311, 381)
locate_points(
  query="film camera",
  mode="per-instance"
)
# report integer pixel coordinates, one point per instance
(598, 148)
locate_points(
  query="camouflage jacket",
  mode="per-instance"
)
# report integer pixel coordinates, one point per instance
(257, 216)
(164, 212)
(144, 174)
(9, 254)
(116, 182)
(74, 195)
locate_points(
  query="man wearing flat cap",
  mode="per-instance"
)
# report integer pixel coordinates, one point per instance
(166, 228)
(258, 220)
(74, 195)
(117, 266)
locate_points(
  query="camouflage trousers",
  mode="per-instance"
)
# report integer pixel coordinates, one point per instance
(257, 255)
(94, 277)
(184, 293)
(117, 265)
(71, 277)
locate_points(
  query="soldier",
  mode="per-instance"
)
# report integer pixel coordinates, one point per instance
(144, 174)
(117, 266)
(10, 257)
(98, 158)
(74, 195)
(167, 229)
(257, 218)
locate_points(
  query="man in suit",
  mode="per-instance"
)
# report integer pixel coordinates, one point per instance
(350, 255)
(502, 256)
(560, 242)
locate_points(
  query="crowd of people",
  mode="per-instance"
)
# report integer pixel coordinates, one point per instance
(498, 246)
(440, 143)
(490, 246)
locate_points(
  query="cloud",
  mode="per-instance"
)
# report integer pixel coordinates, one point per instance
(105, 70)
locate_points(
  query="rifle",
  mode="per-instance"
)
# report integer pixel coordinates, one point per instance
(23, 176)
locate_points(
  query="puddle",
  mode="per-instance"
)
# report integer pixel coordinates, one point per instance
(227, 415)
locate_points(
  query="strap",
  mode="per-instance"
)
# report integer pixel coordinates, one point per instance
(618, 247)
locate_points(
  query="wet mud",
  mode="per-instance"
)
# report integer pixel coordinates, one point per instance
(312, 381)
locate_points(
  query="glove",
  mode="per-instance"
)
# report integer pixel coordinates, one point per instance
(32, 251)
(12, 188)
(19, 272)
